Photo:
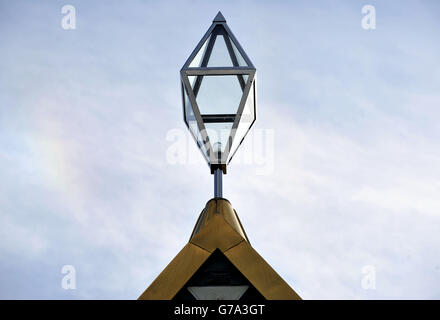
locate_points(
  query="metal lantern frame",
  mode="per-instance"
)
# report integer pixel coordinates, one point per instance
(248, 86)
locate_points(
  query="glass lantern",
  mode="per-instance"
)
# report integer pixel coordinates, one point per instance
(219, 94)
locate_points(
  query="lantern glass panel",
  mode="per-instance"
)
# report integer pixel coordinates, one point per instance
(246, 120)
(218, 94)
(218, 133)
(191, 122)
(218, 50)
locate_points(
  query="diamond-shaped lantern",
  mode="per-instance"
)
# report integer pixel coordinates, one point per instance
(219, 94)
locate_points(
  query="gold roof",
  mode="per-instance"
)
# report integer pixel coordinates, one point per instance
(219, 227)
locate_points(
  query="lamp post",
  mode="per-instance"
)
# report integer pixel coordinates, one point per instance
(219, 107)
(219, 97)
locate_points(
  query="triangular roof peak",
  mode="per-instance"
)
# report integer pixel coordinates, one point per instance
(219, 228)
(219, 18)
(217, 217)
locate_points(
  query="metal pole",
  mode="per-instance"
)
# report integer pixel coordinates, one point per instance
(218, 183)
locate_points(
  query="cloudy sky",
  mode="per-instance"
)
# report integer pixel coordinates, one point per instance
(340, 175)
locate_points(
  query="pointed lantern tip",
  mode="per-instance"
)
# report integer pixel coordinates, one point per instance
(219, 18)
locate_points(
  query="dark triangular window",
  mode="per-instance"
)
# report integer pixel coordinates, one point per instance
(218, 279)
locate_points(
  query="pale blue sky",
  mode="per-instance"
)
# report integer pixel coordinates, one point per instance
(84, 118)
